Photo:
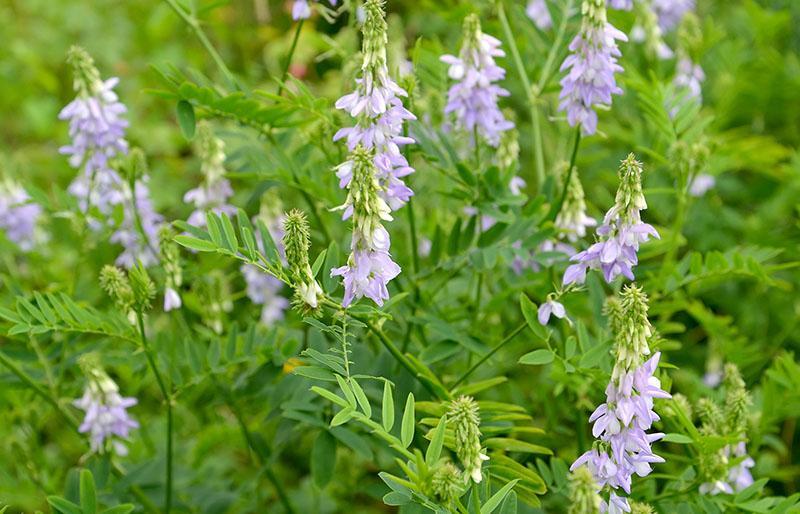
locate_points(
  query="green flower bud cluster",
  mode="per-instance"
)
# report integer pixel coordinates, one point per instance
(369, 209)
(632, 329)
(170, 257)
(508, 151)
(641, 508)
(115, 283)
(583, 497)
(296, 243)
(211, 150)
(464, 417)
(630, 198)
(447, 483)
(86, 77)
(375, 36)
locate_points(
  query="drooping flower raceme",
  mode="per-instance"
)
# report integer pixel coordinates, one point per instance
(538, 13)
(377, 107)
(215, 191)
(620, 234)
(370, 266)
(621, 424)
(301, 9)
(97, 128)
(107, 419)
(18, 214)
(473, 98)
(592, 64)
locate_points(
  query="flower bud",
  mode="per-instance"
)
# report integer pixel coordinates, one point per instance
(632, 329)
(144, 290)
(447, 483)
(296, 243)
(115, 283)
(86, 77)
(464, 417)
(583, 495)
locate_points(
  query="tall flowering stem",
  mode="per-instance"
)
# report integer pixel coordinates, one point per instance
(214, 193)
(377, 108)
(620, 234)
(591, 66)
(622, 422)
(370, 266)
(473, 99)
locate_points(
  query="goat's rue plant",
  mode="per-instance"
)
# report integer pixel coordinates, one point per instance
(391, 256)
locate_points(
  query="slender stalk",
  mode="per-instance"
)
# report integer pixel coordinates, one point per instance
(412, 223)
(547, 70)
(39, 390)
(491, 352)
(253, 449)
(529, 93)
(168, 400)
(289, 57)
(194, 24)
(557, 207)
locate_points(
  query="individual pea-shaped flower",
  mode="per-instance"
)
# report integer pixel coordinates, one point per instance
(473, 99)
(591, 66)
(550, 307)
(301, 9)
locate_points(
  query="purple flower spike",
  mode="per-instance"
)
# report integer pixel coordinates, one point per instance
(592, 64)
(18, 215)
(106, 416)
(473, 99)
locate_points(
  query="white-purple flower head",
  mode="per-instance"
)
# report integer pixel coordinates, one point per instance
(473, 99)
(621, 423)
(670, 12)
(18, 215)
(370, 266)
(620, 234)
(689, 78)
(623, 5)
(97, 129)
(215, 191)
(106, 420)
(591, 66)
(538, 13)
(377, 107)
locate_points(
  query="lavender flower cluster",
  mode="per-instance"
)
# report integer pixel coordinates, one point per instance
(621, 424)
(106, 418)
(377, 107)
(621, 233)
(473, 98)
(18, 215)
(97, 129)
(592, 64)
(374, 170)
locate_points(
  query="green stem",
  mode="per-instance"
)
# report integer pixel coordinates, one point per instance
(289, 57)
(491, 352)
(529, 93)
(565, 187)
(168, 400)
(194, 24)
(547, 70)
(412, 223)
(253, 449)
